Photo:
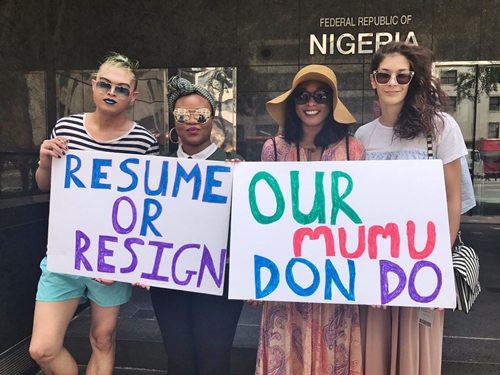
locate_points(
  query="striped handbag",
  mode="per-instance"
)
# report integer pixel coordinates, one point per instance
(466, 269)
(465, 265)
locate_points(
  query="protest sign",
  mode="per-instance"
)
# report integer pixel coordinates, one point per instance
(160, 221)
(359, 232)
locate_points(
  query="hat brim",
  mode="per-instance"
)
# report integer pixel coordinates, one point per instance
(277, 106)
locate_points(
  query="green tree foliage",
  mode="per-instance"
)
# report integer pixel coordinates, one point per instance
(489, 78)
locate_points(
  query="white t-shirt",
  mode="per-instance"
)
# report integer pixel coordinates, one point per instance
(380, 144)
(448, 146)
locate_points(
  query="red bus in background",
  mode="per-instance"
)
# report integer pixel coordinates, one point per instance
(490, 155)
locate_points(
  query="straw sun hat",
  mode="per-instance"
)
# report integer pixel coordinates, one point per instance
(277, 106)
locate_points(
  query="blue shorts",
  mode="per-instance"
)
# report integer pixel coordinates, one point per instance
(55, 287)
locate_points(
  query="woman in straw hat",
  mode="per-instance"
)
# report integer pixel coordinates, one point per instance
(412, 121)
(310, 338)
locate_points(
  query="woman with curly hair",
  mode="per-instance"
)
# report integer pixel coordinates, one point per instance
(310, 338)
(412, 117)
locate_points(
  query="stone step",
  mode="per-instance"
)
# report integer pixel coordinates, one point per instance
(139, 343)
(122, 371)
(128, 371)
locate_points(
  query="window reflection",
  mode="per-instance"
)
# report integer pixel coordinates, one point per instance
(22, 130)
(475, 105)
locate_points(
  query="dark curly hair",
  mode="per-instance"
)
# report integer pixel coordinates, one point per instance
(425, 99)
(332, 131)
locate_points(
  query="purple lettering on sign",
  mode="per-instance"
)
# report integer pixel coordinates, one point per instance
(80, 249)
(189, 273)
(411, 283)
(128, 245)
(207, 262)
(387, 266)
(156, 267)
(118, 228)
(103, 252)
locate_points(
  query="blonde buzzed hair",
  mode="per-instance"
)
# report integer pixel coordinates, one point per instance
(119, 61)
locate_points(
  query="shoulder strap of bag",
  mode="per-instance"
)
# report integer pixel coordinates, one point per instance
(275, 149)
(347, 146)
(430, 152)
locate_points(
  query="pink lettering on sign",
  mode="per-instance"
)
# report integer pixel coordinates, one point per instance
(367, 238)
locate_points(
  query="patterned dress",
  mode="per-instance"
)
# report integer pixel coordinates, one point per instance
(310, 338)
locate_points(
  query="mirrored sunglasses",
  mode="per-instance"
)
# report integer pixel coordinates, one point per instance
(200, 115)
(403, 78)
(320, 96)
(119, 90)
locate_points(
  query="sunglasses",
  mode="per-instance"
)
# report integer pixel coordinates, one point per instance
(320, 96)
(119, 90)
(401, 78)
(200, 115)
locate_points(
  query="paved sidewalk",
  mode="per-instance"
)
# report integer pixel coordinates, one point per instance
(472, 341)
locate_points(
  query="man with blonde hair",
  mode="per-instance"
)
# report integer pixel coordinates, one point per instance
(106, 129)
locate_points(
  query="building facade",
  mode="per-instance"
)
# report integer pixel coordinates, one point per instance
(51, 47)
(247, 51)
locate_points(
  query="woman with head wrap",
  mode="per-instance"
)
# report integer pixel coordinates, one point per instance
(310, 338)
(197, 329)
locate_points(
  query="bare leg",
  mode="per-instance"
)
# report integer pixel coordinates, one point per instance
(102, 339)
(49, 327)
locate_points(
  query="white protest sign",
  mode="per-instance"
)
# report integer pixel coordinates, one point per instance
(161, 221)
(359, 232)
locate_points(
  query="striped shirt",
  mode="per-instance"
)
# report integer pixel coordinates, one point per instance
(137, 141)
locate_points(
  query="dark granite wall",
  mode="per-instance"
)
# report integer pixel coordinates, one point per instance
(23, 240)
(268, 41)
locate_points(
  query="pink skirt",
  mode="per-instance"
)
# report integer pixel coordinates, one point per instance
(394, 343)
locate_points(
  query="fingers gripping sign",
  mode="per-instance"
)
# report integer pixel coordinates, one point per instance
(49, 149)
(52, 148)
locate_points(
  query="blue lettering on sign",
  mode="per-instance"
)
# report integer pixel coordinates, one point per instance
(124, 168)
(97, 174)
(274, 280)
(182, 174)
(162, 185)
(211, 182)
(290, 279)
(147, 219)
(70, 173)
(331, 274)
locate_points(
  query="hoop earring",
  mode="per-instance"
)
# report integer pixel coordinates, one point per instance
(170, 136)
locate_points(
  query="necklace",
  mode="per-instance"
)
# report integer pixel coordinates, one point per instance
(309, 152)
